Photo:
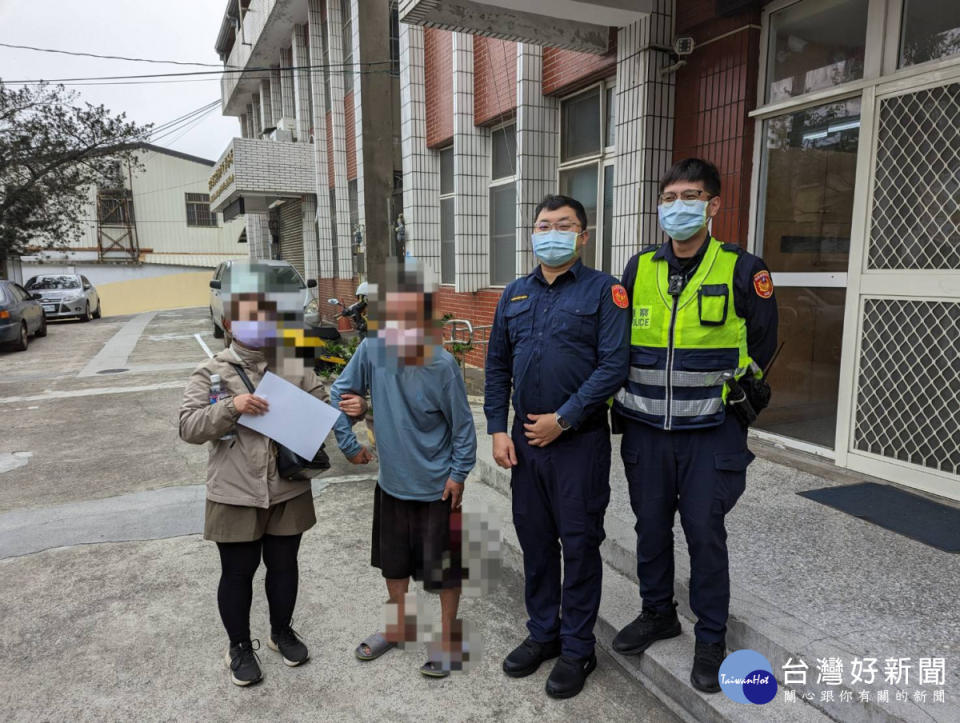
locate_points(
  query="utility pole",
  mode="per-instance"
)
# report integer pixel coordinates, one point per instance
(380, 92)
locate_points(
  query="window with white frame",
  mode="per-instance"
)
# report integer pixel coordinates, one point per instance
(826, 64)
(447, 246)
(503, 206)
(931, 30)
(198, 210)
(587, 140)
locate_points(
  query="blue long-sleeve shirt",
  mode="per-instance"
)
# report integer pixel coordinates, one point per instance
(562, 347)
(422, 420)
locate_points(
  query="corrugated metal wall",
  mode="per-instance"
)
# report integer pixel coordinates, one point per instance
(291, 234)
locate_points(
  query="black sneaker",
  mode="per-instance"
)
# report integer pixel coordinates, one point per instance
(648, 627)
(568, 676)
(526, 657)
(289, 645)
(707, 658)
(243, 663)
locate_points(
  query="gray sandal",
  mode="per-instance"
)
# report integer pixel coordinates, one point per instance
(376, 644)
(434, 669)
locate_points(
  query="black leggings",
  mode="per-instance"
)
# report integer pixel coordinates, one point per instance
(238, 562)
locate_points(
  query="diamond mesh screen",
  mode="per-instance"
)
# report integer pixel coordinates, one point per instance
(908, 405)
(916, 216)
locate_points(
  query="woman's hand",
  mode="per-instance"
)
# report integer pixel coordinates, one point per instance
(353, 405)
(250, 404)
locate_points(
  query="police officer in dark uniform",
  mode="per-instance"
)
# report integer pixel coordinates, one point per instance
(559, 340)
(704, 326)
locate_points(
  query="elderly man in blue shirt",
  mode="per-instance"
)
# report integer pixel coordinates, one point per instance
(559, 342)
(427, 445)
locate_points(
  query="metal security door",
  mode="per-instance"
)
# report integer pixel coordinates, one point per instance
(904, 399)
(291, 234)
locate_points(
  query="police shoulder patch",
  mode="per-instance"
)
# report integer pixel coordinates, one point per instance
(620, 296)
(763, 284)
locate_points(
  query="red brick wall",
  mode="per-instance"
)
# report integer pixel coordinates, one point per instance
(438, 79)
(715, 91)
(494, 80)
(329, 149)
(342, 289)
(565, 71)
(479, 307)
(348, 120)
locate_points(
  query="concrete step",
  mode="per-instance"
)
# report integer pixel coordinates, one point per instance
(664, 669)
(754, 624)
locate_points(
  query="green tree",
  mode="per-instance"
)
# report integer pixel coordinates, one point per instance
(53, 148)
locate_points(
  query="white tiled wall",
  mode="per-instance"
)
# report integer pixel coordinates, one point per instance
(471, 176)
(325, 251)
(537, 133)
(335, 44)
(421, 167)
(644, 132)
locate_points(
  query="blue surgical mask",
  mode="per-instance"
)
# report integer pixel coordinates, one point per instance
(680, 220)
(255, 334)
(555, 248)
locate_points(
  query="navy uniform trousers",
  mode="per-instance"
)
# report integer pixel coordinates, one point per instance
(701, 473)
(560, 494)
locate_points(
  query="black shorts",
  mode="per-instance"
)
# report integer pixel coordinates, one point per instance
(417, 539)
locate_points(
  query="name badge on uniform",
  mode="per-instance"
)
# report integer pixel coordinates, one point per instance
(518, 298)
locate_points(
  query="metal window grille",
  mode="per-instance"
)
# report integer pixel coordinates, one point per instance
(198, 210)
(115, 207)
(916, 207)
(908, 401)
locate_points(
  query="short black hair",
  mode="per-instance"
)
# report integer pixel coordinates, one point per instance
(693, 169)
(552, 203)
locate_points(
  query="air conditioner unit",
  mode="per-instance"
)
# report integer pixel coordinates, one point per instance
(287, 124)
(281, 135)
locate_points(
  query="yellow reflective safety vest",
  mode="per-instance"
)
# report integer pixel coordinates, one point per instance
(684, 348)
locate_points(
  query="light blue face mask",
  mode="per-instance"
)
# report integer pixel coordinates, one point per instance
(555, 248)
(681, 220)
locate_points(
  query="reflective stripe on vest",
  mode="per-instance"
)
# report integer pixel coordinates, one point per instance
(698, 337)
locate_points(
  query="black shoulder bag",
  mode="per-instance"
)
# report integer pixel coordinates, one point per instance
(290, 465)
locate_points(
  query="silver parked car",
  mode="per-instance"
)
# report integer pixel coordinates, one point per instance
(283, 277)
(65, 295)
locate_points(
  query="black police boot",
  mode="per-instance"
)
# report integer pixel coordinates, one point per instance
(243, 663)
(568, 676)
(649, 627)
(526, 657)
(707, 658)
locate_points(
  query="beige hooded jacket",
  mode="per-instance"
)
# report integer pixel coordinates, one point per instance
(241, 470)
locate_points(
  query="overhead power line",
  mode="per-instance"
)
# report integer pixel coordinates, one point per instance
(106, 57)
(226, 71)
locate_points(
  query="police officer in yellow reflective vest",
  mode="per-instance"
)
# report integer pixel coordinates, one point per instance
(704, 326)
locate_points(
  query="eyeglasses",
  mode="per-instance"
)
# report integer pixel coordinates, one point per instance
(562, 226)
(689, 197)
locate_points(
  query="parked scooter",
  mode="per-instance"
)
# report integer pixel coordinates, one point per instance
(356, 312)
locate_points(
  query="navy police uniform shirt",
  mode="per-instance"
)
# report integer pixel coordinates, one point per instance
(562, 347)
(753, 295)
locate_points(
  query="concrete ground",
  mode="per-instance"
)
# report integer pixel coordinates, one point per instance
(108, 593)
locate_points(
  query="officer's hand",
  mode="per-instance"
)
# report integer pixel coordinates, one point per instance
(504, 452)
(361, 457)
(453, 490)
(542, 430)
(250, 404)
(353, 405)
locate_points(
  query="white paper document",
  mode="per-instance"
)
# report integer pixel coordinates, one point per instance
(297, 420)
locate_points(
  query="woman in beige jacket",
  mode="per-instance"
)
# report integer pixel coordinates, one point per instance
(251, 512)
